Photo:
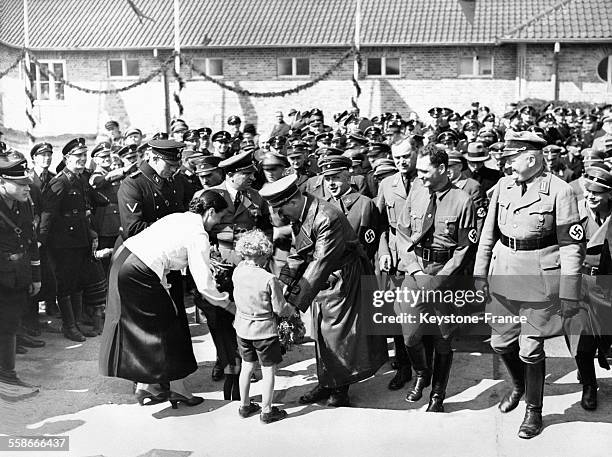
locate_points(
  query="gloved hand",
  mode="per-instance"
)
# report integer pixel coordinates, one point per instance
(569, 308)
(385, 263)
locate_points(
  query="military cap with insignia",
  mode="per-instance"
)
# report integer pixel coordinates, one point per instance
(130, 150)
(489, 118)
(221, 136)
(527, 109)
(454, 117)
(291, 112)
(552, 150)
(436, 112)
(352, 117)
(447, 137)
(546, 117)
(41, 148)
(247, 145)
(250, 129)
(298, 148)
(376, 149)
(111, 125)
(471, 125)
(14, 167)
(598, 179)
(316, 112)
(537, 130)
(589, 117)
(205, 132)
(133, 131)
(561, 111)
(339, 140)
(191, 135)
(102, 149)
(590, 155)
(372, 132)
(142, 147)
(357, 157)
(340, 118)
(574, 140)
(477, 152)
(191, 154)
(607, 118)
(484, 109)
(167, 149)
(242, 162)
(333, 164)
(207, 165)
(325, 136)
(327, 151)
(279, 192)
(376, 120)
(277, 142)
(74, 146)
(517, 142)
(178, 125)
(273, 160)
(160, 136)
(497, 149)
(470, 114)
(356, 139)
(234, 120)
(395, 126)
(487, 135)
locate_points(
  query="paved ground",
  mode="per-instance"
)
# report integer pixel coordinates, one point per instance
(101, 416)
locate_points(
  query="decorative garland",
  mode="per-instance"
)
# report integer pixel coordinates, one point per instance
(280, 93)
(12, 66)
(356, 83)
(140, 82)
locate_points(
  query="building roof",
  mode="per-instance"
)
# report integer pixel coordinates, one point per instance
(112, 24)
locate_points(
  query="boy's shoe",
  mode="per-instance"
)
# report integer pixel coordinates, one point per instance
(248, 411)
(274, 415)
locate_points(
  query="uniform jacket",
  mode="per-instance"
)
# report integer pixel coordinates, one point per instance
(485, 176)
(364, 217)
(578, 188)
(454, 229)
(144, 197)
(252, 212)
(64, 221)
(324, 271)
(258, 295)
(548, 207)
(191, 184)
(599, 143)
(390, 202)
(105, 220)
(19, 258)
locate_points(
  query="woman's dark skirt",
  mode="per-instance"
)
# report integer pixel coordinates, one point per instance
(146, 337)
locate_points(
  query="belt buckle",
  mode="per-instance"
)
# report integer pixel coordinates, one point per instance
(594, 271)
(427, 254)
(13, 257)
(512, 243)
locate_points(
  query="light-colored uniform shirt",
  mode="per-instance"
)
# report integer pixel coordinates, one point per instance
(175, 242)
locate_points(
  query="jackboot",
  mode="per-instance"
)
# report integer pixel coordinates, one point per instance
(534, 394)
(51, 308)
(586, 368)
(516, 369)
(77, 308)
(339, 397)
(98, 321)
(423, 373)
(441, 371)
(404, 369)
(69, 327)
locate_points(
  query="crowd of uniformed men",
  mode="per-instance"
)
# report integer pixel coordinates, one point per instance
(527, 194)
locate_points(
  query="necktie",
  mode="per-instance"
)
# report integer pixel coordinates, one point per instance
(523, 188)
(238, 199)
(597, 219)
(428, 222)
(43, 178)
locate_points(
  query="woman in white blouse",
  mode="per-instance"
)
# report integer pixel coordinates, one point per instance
(146, 336)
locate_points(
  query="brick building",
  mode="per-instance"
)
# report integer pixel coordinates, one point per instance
(415, 53)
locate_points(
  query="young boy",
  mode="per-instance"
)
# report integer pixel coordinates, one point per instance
(259, 298)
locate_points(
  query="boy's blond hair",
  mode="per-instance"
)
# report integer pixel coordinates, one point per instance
(254, 243)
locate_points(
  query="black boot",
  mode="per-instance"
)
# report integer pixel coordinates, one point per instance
(51, 308)
(77, 308)
(217, 371)
(534, 394)
(586, 368)
(404, 369)
(69, 327)
(317, 394)
(516, 369)
(423, 373)
(339, 397)
(98, 321)
(8, 348)
(231, 387)
(441, 370)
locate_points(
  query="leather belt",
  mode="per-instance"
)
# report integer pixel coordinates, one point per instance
(74, 212)
(433, 255)
(528, 245)
(12, 257)
(588, 270)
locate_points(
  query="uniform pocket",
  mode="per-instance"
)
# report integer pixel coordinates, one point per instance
(502, 213)
(391, 214)
(416, 223)
(447, 225)
(540, 218)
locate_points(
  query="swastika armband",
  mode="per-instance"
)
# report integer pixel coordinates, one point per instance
(570, 234)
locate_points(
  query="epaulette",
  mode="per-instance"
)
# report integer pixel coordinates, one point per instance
(135, 173)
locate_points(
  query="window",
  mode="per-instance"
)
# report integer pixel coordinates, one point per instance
(45, 85)
(604, 70)
(294, 66)
(121, 68)
(211, 67)
(383, 66)
(476, 66)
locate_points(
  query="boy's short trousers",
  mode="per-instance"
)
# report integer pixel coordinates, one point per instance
(267, 351)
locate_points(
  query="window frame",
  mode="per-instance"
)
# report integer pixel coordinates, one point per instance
(383, 67)
(206, 61)
(476, 66)
(124, 74)
(36, 82)
(293, 67)
(608, 83)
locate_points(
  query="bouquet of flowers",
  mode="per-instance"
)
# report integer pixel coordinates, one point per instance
(291, 330)
(222, 272)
